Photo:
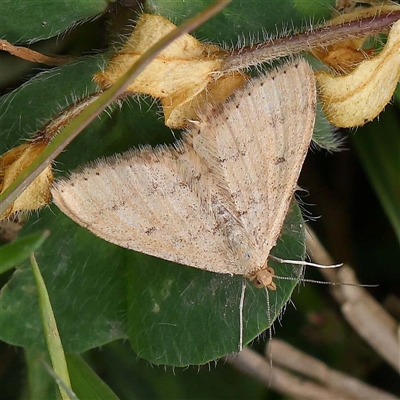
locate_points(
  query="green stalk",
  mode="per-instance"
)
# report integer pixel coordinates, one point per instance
(52, 336)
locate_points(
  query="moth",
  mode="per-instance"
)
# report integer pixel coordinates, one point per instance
(217, 199)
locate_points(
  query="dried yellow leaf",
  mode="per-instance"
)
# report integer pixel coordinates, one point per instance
(179, 76)
(343, 57)
(356, 98)
(12, 164)
(184, 63)
(183, 106)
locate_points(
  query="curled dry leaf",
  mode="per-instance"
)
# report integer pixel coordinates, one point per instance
(358, 97)
(12, 164)
(181, 76)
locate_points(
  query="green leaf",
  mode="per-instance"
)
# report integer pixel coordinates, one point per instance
(245, 19)
(50, 330)
(41, 385)
(33, 20)
(132, 378)
(42, 98)
(179, 315)
(378, 146)
(85, 283)
(85, 382)
(324, 135)
(12, 254)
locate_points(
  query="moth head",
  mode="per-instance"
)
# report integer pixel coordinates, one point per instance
(264, 278)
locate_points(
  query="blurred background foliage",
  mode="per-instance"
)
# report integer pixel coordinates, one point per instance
(354, 192)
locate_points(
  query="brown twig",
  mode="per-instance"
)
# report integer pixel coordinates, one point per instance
(361, 310)
(325, 383)
(33, 56)
(253, 364)
(346, 386)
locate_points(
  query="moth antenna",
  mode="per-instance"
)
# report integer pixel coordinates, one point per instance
(270, 336)
(303, 263)
(288, 278)
(241, 307)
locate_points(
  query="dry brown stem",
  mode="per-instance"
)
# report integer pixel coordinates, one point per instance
(34, 56)
(317, 380)
(369, 319)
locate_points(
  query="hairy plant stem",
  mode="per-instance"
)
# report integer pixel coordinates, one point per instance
(315, 38)
(54, 126)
